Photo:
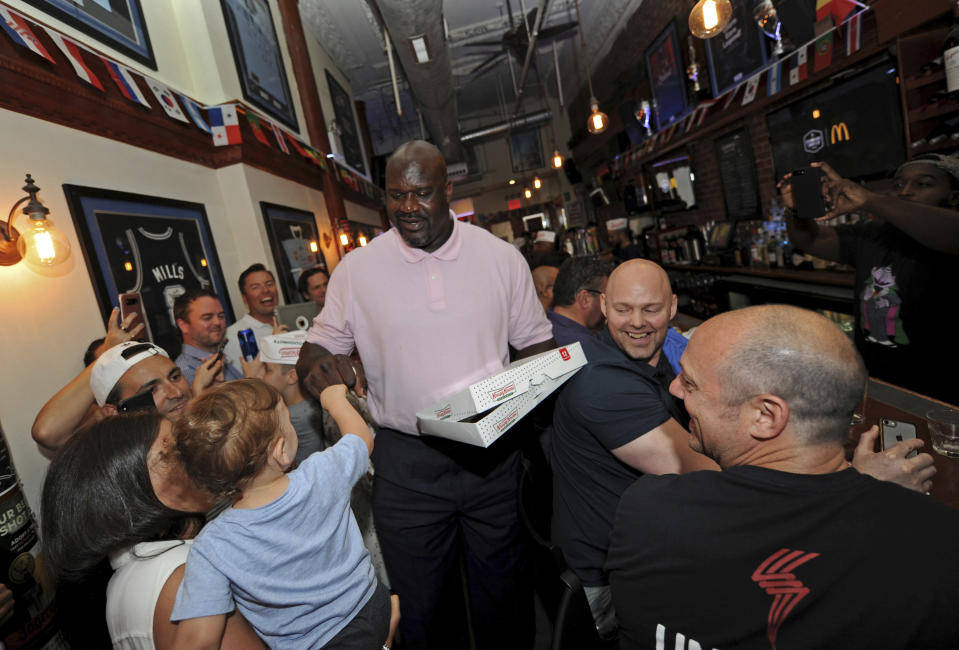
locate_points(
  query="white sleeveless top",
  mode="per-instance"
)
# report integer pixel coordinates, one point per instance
(139, 576)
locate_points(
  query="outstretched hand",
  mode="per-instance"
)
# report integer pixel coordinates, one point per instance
(119, 331)
(892, 465)
(330, 369)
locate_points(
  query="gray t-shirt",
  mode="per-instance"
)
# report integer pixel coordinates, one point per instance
(307, 420)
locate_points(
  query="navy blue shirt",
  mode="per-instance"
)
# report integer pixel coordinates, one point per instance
(566, 330)
(610, 402)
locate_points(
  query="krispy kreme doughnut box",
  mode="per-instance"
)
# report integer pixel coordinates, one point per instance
(485, 410)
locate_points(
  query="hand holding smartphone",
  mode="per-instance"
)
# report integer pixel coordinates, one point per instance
(130, 303)
(807, 193)
(892, 432)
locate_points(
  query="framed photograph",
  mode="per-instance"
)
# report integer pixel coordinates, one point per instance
(146, 245)
(118, 24)
(345, 119)
(664, 65)
(258, 59)
(525, 150)
(736, 52)
(295, 245)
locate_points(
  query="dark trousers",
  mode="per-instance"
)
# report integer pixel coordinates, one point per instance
(369, 627)
(436, 504)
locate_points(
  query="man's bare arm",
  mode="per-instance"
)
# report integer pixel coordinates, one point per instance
(663, 450)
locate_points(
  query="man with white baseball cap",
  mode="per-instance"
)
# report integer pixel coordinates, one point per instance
(619, 237)
(135, 369)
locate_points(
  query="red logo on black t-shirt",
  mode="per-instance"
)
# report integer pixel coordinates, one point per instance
(775, 576)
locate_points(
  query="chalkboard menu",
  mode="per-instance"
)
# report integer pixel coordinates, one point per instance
(736, 52)
(737, 169)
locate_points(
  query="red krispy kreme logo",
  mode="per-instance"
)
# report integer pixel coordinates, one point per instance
(505, 391)
(508, 420)
(563, 352)
(444, 412)
(290, 353)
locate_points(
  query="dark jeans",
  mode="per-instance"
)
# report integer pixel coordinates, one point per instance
(437, 503)
(369, 627)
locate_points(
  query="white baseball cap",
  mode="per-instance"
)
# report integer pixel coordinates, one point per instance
(113, 363)
(617, 224)
(547, 236)
(282, 348)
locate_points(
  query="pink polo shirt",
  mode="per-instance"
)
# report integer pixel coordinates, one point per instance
(429, 324)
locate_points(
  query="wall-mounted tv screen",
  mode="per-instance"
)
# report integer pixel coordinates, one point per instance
(855, 125)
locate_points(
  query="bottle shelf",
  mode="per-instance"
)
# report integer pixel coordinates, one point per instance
(930, 111)
(918, 81)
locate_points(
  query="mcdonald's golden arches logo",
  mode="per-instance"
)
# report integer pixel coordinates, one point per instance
(838, 132)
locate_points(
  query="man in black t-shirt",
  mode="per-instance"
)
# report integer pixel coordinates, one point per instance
(787, 546)
(905, 261)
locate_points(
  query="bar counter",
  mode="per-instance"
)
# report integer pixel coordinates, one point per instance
(825, 277)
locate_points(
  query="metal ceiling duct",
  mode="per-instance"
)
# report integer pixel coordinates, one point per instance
(530, 119)
(431, 83)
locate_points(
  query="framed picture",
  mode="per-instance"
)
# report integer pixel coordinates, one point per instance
(295, 245)
(155, 247)
(737, 170)
(736, 52)
(525, 150)
(664, 65)
(258, 59)
(349, 134)
(118, 24)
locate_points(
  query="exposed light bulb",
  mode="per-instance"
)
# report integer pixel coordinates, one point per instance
(528, 193)
(42, 244)
(512, 181)
(344, 239)
(362, 240)
(709, 17)
(537, 183)
(557, 159)
(314, 247)
(598, 121)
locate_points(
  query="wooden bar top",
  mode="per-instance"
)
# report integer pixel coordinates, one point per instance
(885, 400)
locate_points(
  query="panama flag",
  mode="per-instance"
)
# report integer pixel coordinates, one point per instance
(165, 96)
(278, 134)
(124, 80)
(225, 125)
(798, 71)
(16, 26)
(73, 53)
(193, 109)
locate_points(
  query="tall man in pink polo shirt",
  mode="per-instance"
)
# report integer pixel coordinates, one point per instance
(431, 306)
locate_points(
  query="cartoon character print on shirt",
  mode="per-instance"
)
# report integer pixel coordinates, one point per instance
(880, 308)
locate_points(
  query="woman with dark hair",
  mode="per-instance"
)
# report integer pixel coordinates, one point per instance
(98, 501)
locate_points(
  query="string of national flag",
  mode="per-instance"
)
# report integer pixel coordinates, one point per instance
(798, 71)
(221, 122)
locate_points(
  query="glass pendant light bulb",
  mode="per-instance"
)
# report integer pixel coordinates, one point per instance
(537, 183)
(42, 244)
(344, 239)
(362, 240)
(528, 193)
(598, 121)
(709, 17)
(557, 159)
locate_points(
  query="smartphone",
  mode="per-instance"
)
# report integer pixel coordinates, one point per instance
(219, 349)
(892, 432)
(131, 303)
(139, 402)
(807, 193)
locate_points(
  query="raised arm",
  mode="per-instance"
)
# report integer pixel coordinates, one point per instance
(663, 450)
(812, 238)
(348, 419)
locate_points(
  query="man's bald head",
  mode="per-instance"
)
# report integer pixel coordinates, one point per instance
(417, 152)
(638, 305)
(418, 194)
(795, 354)
(544, 277)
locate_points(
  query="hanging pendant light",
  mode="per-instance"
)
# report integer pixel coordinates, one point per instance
(598, 120)
(557, 159)
(528, 193)
(537, 183)
(709, 17)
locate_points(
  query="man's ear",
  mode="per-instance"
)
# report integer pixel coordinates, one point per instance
(182, 325)
(449, 191)
(108, 410)
(602, 305)
(291, 376)
(765, 416)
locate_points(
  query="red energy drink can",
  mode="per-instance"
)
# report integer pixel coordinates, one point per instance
(248, 347)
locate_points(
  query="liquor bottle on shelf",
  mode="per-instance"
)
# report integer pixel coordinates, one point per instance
(950, 53)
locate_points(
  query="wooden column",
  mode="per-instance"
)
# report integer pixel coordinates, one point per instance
(312, 110)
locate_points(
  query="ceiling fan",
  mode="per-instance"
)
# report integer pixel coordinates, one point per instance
(515, 40)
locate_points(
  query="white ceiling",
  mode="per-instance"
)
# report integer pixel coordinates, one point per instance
(350, 34)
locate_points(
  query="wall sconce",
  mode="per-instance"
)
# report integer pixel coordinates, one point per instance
(537, 183)
(313, 246)
(709, 17)
(557, 159)
(41, 244)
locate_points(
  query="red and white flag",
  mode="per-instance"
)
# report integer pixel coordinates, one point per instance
(166, 99)
(751, 87)
(74, 55)
(278, 134)
(798, 72)
(16, 27)
(853, 34)
(124, 80)
(224, 124)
